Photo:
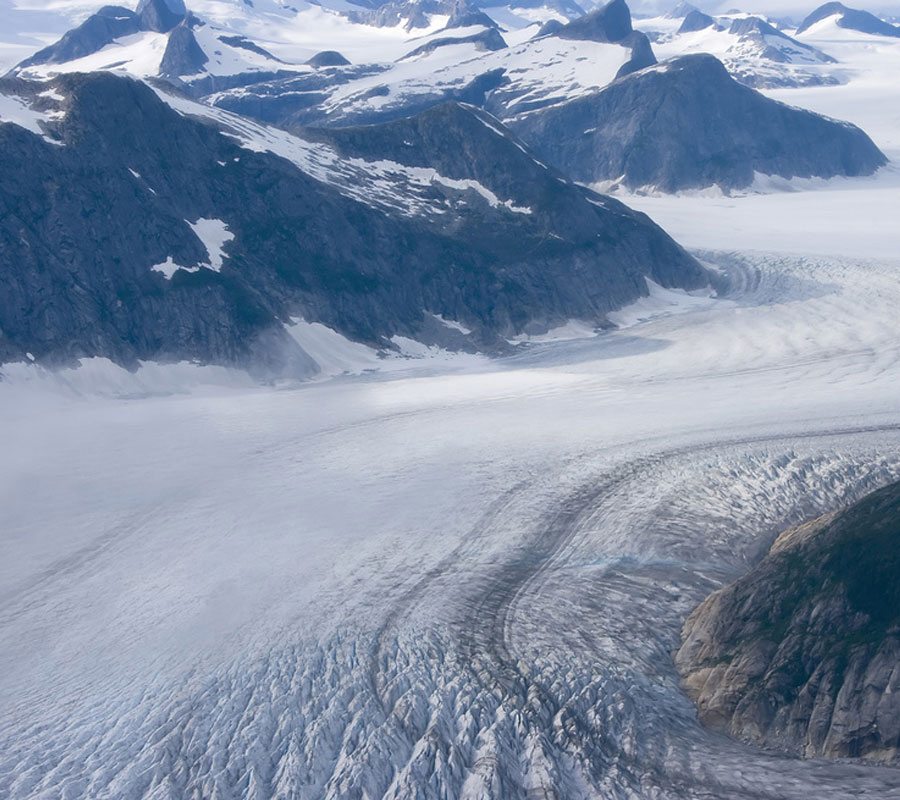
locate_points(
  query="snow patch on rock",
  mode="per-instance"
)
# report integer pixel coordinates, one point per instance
(215, 235)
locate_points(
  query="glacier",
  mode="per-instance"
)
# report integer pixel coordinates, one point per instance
(440, 581)
(449, 577)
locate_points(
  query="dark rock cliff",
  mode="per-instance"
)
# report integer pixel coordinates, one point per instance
(84, 222)
(687, 124)
(803, 653)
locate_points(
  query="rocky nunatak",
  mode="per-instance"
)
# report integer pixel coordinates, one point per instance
(802, 654)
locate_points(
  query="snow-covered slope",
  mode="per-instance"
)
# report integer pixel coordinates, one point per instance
(541, 72)
(839, 15)
(754, 51)
(292, 32)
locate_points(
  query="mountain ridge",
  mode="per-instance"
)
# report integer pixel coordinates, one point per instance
(369, 248)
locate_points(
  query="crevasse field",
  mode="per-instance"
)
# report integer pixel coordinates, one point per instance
(450, 576)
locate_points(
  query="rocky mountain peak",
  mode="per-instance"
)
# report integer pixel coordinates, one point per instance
(160, 15)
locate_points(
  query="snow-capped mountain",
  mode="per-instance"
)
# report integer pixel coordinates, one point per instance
(555, 70)
(753, 50)
(454, 64)
(143, 226)
(159, 38)
(849, 18)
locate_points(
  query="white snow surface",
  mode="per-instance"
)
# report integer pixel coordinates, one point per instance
(19, 111)
(169, 268)
(215, 235)
(549, 70)
(855, 217)
(334, 353)
(460, 577)
(663, 302)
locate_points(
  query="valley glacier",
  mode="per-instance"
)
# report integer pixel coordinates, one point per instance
(457, 579)
(450, 576)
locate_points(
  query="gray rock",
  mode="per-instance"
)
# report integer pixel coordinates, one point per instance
(488, 39)
(97, 31)
(107, 25)
(550, 28)
(416, 13)
(183, 54)
(803, 653)
(609, 23)
(688, 124)
(82, 224)
(328, 58)
(243, 43)
(160, 15)
(696, 20)
(465, 17)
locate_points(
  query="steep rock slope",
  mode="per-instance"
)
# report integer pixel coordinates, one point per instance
(688, 124)
(132, 231)
(611, 23)
(802, 653)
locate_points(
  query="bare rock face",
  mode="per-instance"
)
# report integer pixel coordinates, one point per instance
(609, 23)
(688, 124)
(802, 654)
(100, 253)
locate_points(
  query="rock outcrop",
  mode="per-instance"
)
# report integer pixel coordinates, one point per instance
(688, 124)
(102, 248)
(488, 39)
(696, 20)
(183, 55)
(802, 654)
(106, 26)
(97, 31)
(611, 24)
(328, 58)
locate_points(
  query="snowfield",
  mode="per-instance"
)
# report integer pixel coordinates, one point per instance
(437, 576)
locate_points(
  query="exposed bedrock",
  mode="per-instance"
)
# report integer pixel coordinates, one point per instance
(803, 652)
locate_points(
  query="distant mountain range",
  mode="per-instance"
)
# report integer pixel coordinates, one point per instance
(556, 78)
(851, 19)
(199, 218)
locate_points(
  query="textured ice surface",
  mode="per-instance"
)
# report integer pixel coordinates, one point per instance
(432, 583)
(447, 579)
